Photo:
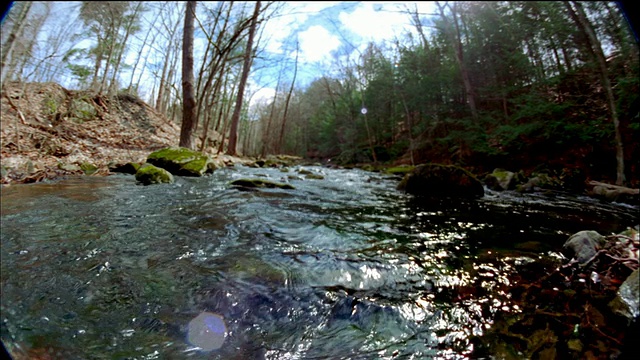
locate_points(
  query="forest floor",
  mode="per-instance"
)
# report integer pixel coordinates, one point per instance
(48, 131)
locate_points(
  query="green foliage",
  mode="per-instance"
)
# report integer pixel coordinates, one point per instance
(80, 72)
(534, 85)
(514, 136)
(51, 105)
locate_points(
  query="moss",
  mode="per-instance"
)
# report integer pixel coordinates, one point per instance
(69, 167)
(399, 170)
(149, 174)
(260, 183)
(88, 168)
(177, 154)
(180, 161)
(196, 165)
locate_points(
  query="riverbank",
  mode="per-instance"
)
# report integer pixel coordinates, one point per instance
(49, 132)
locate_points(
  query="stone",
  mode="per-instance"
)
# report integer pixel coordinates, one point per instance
(260, 183)
(583, 245)
(128, 168)
(181, 161)
(627, 302)
(500, 180)
(88, 168)
(149, 174)
(435, 180)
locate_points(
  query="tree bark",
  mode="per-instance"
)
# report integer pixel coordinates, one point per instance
(188, 96)
(16, 30)
(286, 105)
(235, 118)
(596, 49)
(456, 43)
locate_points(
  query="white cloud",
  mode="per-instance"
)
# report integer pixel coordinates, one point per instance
(376, 21)
(293, 17)
(316, 43)
(262, 96)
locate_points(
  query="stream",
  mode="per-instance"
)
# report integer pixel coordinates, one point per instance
(344, 267)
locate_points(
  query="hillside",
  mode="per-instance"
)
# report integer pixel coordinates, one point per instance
(48, 131)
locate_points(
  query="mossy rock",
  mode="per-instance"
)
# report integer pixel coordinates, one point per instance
(83, 111)
(181, 161)
(69, 167)
(399, 170)
(149, 174)
(261, 183)
(88, 168)
(500, 179)
(436, 180)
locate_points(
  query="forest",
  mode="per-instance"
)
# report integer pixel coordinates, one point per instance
(521, 85)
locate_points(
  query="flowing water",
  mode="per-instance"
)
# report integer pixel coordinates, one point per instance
(344, 267)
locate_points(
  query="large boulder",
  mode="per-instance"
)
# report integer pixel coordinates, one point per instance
(181, 161)
(435, 180)
(148, 174)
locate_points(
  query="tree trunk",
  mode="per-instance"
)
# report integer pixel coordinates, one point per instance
(119, 56)
(13, 36)
(137, 62)
(456, 43)
(114, 34)
(596, 49)
(188, 96)
(235, 118)
(286, 105)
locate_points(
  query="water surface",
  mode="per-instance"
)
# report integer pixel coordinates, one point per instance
(344, 267)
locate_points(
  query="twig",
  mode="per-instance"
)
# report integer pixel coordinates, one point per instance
(13, 105)
(595, 327)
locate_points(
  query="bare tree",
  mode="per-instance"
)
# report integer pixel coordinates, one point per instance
(131, 27)
(286, 105)
(171, 30)
(188, 97)
(235, 118)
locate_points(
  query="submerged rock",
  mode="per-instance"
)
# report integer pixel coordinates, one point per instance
(260, 183)
(435, 180)
(181, 161)
(148, 174)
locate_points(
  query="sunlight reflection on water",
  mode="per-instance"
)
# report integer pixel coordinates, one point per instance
(338, 268)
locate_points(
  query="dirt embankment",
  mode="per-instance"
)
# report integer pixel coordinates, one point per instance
(47, 131)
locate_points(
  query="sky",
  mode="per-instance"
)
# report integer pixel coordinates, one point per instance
(326, 32)
(330, 30)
